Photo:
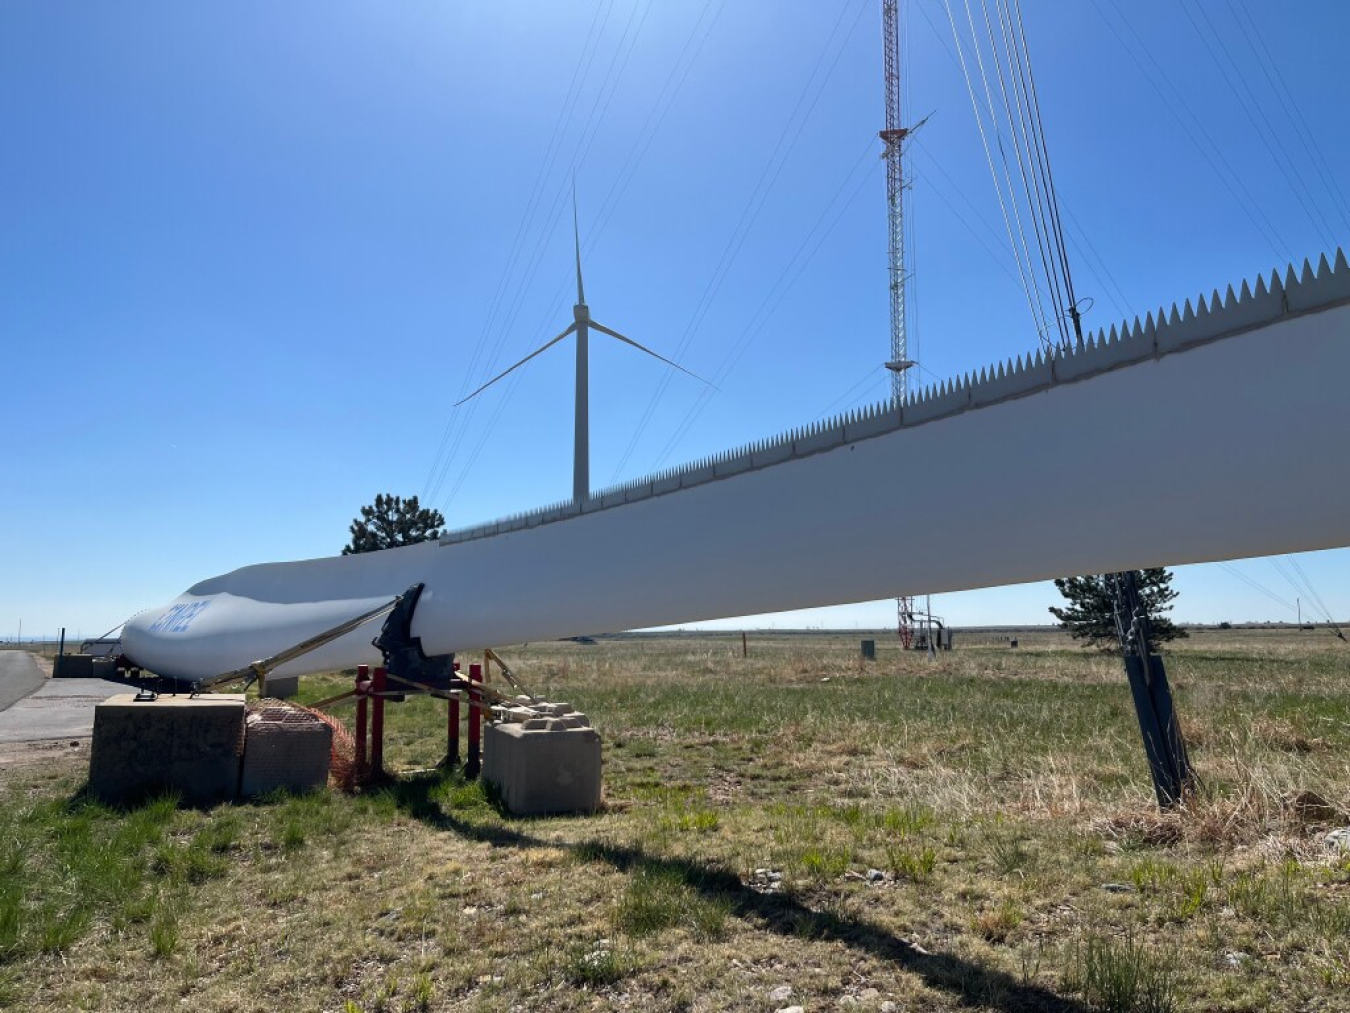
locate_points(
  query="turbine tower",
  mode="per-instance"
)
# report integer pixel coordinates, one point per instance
(581, 326)
(581, 423)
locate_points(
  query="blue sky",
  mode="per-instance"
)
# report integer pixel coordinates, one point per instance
(251, 254)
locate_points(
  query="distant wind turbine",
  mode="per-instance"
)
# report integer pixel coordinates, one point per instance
(581, 325)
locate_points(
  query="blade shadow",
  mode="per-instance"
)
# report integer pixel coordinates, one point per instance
(970, 982)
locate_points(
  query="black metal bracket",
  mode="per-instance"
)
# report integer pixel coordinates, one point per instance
(404, 660)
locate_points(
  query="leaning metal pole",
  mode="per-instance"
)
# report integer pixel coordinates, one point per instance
(1163, 743)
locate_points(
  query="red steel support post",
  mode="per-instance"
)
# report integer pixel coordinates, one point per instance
(362, 686)
(377, 724)
(473, 762)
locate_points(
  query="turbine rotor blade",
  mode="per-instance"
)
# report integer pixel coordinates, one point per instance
(654, 355)
(576, 236)
(542, 348)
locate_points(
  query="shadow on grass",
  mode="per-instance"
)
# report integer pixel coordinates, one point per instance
(971, 982)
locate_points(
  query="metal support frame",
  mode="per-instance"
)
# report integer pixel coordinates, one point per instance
(1163, 742)
(407, 669)
(904, 621)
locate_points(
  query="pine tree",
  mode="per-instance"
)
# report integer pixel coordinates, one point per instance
(1090, 614)
(393, 521)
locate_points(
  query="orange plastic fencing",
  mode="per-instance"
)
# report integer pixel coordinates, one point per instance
(342, 760)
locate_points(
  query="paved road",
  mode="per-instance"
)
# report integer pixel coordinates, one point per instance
(42, 708)
(19, 676)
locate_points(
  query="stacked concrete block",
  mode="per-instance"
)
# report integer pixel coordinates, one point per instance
(284, 747)
(188, 745)
(543, 758)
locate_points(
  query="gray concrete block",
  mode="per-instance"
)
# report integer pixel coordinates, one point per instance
(284, 747)
(189, 745)
(542, 765)
(73, 666)
(281, 687)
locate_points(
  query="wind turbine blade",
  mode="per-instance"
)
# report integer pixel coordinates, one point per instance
(654, 355)
(542, 348)
(576, 237)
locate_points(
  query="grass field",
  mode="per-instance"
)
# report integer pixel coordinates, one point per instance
(975, 833)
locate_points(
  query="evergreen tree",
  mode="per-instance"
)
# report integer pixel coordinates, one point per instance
(393, 521)
(1090, 614)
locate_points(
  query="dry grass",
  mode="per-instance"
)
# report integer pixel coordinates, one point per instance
(975, 833)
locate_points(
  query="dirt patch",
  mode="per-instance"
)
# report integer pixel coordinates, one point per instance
(63, 752)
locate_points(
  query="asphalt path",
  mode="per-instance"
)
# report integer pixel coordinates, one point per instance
(34, 708)
(19, 676)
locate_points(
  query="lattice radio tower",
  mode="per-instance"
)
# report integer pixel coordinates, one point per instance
(893, 137)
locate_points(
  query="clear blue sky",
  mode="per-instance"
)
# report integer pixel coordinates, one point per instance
(249, 252)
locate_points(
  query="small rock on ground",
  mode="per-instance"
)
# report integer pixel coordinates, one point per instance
(781, 993)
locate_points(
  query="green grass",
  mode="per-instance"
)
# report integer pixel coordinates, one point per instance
(70, 865)
(655, 901)
(1122, 976)
(999, 791)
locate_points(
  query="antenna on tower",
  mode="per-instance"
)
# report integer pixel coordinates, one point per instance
(581, 326)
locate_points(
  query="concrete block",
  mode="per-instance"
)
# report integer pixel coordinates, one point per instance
(281, 687)
(73, 666)
(546, 763)
(104, 668)
(284, 747)
(189, 745)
